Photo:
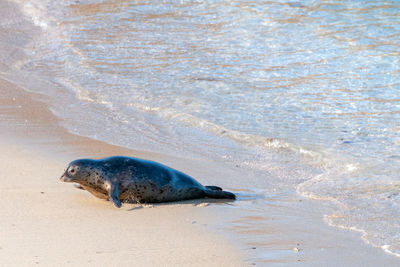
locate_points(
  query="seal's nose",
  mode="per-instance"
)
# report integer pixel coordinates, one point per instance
(64, 178)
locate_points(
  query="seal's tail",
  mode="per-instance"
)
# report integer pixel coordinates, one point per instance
(216, 193)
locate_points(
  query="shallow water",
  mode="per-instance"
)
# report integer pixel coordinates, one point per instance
(306, 94)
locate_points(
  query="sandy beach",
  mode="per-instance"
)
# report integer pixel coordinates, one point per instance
(46, 222)
(49, 223)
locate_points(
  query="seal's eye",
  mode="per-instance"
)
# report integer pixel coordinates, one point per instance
(72, 171)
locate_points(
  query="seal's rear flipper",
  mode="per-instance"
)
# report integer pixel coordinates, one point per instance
(219, 194)
(213, 187)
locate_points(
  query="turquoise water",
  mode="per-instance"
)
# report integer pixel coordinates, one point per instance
(306, 93)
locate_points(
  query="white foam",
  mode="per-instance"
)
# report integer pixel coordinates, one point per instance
(351, 167)
(36, 11)
(386, 248)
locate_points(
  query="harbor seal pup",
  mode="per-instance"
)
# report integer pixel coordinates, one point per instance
(135, 180)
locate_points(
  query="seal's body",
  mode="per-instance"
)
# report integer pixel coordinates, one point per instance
(137, 181)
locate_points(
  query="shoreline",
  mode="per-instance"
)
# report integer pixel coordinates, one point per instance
(45, 216)
(47, 221)
(289, 231)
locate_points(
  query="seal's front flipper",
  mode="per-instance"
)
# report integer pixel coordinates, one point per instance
(79, 186)
(113, 195)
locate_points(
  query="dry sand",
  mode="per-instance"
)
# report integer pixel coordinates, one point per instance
(49, 223)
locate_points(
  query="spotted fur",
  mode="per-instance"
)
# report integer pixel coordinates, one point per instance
(125, 179)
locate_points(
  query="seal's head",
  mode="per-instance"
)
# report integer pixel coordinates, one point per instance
(76, 172)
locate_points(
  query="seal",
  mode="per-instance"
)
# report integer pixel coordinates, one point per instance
(125, 179)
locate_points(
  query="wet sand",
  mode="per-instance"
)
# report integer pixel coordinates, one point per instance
(46, 222)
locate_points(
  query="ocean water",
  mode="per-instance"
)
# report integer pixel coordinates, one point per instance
(304, 93)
